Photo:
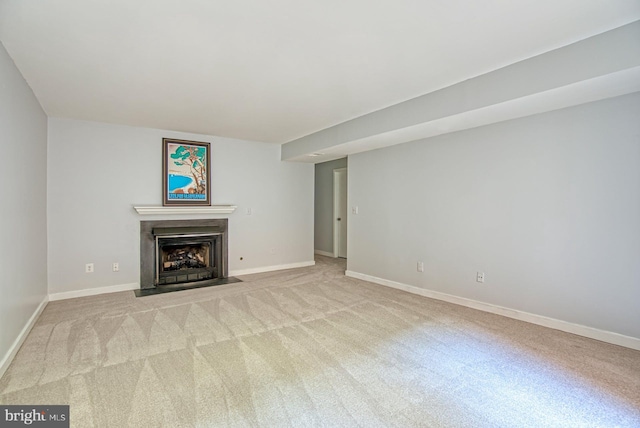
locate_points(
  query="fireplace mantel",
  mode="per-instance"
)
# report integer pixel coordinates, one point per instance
(161, 210)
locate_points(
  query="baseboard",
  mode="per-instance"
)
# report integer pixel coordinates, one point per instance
(93, 291)
(271, 268)
(323, 253)
(581, 330)
(134, 286)
(15, 347)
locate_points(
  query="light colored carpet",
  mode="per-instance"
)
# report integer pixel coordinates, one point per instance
(310, 347)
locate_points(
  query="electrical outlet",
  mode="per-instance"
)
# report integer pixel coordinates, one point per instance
(88, 268)
(115, 267)
(420, 266)
(480, 277)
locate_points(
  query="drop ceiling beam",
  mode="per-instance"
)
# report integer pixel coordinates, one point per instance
(596, 68)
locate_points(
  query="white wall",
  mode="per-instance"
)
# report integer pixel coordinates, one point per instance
(547, 206)
(23, 223)
(98, 172)
(323, 205)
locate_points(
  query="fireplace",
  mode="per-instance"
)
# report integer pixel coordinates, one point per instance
(182, 254)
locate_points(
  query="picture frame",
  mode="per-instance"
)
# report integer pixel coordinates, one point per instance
(186, 177)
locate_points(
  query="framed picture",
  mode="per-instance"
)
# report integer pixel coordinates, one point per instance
(185, 172)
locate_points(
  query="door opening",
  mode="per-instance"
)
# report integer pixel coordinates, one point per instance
(340, 212)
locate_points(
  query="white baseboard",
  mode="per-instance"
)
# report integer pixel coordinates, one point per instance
(134, 285)
(15, 347)
(93, 291)
(271, 268)
(581, 330)
(323, 253)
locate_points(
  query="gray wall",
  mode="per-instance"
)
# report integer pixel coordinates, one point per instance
(547, 206)
(98, 172)
(323, 229)
(23, 174)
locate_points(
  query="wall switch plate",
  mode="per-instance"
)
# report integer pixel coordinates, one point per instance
(115, 267)
(480, 277)
(354, 210)
(88, 268)
(248, 211)
(420, 267)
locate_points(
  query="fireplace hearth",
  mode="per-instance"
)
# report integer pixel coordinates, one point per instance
(182, 254)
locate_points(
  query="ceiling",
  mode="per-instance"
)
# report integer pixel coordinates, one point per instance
(276, 70)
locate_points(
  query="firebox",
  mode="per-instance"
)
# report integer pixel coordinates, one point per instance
(182, 254)
(186, 255)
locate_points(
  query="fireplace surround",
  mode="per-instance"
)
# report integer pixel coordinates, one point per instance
(183, 254)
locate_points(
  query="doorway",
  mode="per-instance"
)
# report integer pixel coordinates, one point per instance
(340, 212)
